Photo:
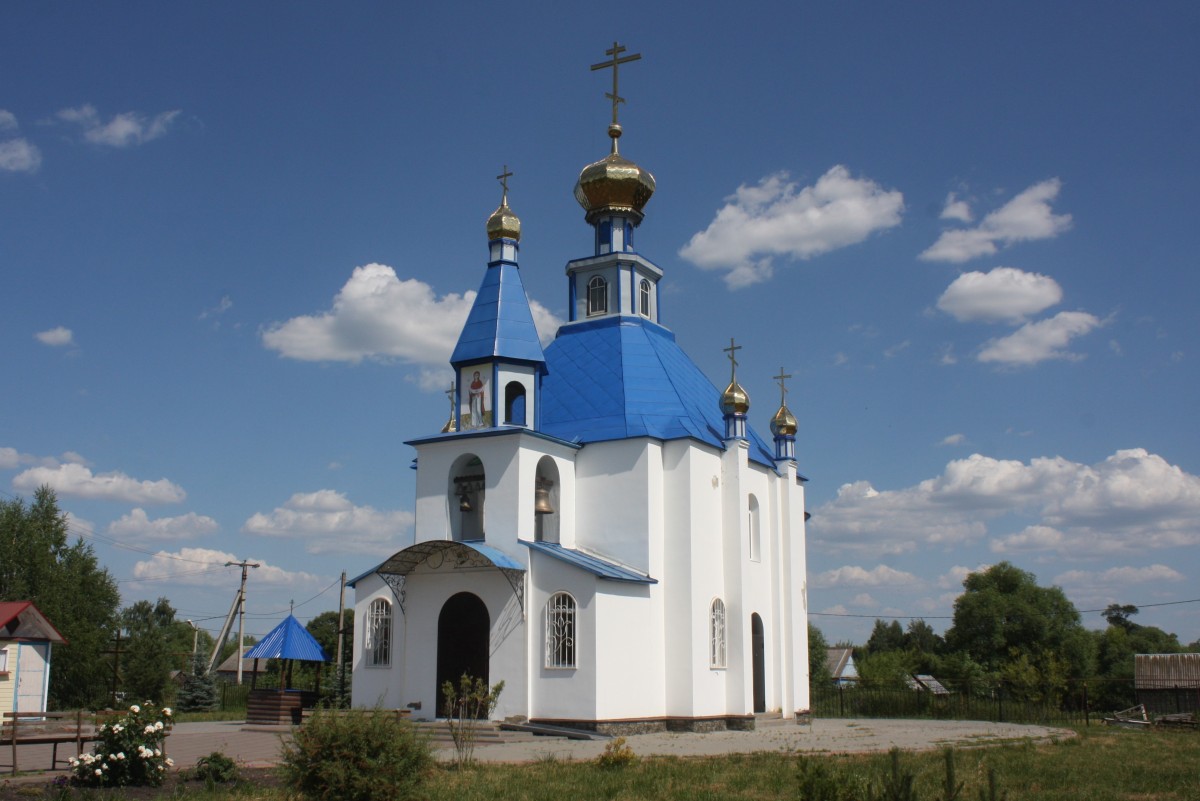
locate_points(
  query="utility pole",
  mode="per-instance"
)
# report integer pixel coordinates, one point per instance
(241, 601)
(341, 674)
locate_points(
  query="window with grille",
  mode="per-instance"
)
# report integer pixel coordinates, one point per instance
(378, 629)
(597, 296)
(716, 634)
(560, 631)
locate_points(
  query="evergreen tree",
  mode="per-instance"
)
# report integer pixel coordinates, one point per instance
(148, 655)
(67, 583)
(198, 692)
(818, 658)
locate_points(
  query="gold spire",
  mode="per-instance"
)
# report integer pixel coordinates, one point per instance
(734, 400)
(504, 224)
(783, 424)
(614, 183)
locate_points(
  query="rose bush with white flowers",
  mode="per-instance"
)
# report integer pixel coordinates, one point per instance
(129, 750)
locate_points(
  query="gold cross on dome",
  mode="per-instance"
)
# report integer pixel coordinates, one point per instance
(781, 378)
(615, 52)
(503, 179)
(732, 351)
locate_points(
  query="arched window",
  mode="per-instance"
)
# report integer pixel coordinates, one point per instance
(560, 631)
(752, 523)
(716, 634)
(514, 403)
(644, 298)
(377, 639)
(597, 296)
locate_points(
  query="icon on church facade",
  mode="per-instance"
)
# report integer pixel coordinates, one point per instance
(477, 391)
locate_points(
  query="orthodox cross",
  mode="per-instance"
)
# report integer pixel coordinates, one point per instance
(450, 397)
(781, 378)
(615, 52)
(732, 351)
(503, 179)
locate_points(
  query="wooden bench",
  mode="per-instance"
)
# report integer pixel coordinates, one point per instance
(44, 728)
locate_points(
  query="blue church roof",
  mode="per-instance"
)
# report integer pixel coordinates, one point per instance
(622, 377)
(500, 324)
(592, 564)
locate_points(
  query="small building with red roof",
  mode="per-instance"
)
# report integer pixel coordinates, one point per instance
(27, 640)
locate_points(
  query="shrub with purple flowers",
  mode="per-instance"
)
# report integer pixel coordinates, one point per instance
(129, 750)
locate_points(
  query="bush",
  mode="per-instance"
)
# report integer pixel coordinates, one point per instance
(216, 768)
(616, 754)
(356, 755)
(129, 750)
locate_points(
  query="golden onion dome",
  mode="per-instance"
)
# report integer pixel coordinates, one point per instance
(735, 400)
(504, 224)
(784, 424)
(614, 183)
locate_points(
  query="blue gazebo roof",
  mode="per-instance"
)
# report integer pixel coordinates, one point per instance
(288, 640)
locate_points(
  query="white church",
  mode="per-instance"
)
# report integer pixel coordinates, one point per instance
(597, 526)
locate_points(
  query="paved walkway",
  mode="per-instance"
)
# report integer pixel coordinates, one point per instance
(259, 746)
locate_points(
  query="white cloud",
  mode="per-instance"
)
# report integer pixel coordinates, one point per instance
(225, 304)
(855, 576)
(56, 337)
(8, 120)
(126, 129)
(777, 218)
(1003, 294)
(329, 523)
(19, 155)
(378, 316)
(956, 208)
(188, 572)
(864, 599)
(1026, 217)
(954, 439)
(1040, 341)
(10, 458)
(138, 526)
(1130, 502)
(1117, 577)
(76, 480)
(896, 350)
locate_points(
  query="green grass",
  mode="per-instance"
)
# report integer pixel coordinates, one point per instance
(1099, 765)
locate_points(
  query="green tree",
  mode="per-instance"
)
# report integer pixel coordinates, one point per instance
(1004, 619)
(198, 691)
(886, 670)
(67, 583)
(1115, 649)
(885, 637)
(148, 654)
(818, 658)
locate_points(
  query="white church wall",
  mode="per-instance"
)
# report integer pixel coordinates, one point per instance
(630, 680)
(561, 693)
(613, 517)
(692, 577)
(371, 685)
(526, 376)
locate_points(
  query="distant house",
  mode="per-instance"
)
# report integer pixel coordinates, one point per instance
(840, 662)
(1167, 683)
(27, 640)
(251, 668)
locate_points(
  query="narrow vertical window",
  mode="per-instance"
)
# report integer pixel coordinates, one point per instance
(378, 629)
(560, 631)
(753, 525)
(716, 634)
(644, 298)
(597, 296)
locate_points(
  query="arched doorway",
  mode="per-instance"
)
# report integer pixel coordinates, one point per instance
(464, 629)
(758, 646)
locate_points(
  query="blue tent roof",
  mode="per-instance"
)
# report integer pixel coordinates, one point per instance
(288, 640)
(500, 324)
(621, 377)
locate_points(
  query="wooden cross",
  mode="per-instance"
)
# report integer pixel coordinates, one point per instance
(450, 397)
(732, 351)
(615, 52)
(503, 179)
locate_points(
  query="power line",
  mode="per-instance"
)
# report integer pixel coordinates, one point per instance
(951, 617)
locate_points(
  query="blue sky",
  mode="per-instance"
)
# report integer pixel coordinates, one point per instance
(238, 241)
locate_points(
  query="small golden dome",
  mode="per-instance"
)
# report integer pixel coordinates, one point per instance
(735, 400)
(784, 424)
(614, 183)
(503, 224)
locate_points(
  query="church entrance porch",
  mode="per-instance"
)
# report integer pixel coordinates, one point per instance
(463, 633)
